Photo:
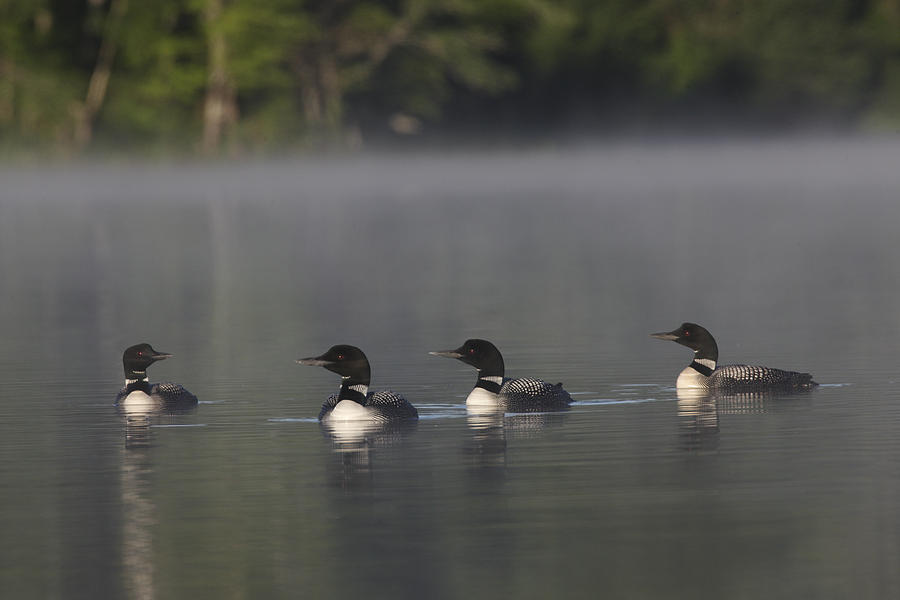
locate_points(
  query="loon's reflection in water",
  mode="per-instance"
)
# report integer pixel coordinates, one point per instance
(139, 517)
(354, 444)
(485, 451)
(699, 412)
(139, 420)
(492, 428)
(139, 513)
(698, 419)
(138, 506)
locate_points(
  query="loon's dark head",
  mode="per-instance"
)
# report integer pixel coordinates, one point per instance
(347, 361)
(137, 358)
(481, 354)
(694, 337)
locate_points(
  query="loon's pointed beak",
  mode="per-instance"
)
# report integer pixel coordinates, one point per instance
(314, 361)
(447, 353)
(669, 335)
(161, 355)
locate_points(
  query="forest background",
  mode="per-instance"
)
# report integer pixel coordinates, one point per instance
(259, 77)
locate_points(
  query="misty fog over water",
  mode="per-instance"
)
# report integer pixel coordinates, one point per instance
(786, 250)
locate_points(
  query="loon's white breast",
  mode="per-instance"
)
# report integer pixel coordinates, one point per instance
(690, 378)
(138, 403)
(348, 410)
(481, 397)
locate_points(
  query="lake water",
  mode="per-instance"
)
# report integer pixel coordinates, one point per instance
(567, 260)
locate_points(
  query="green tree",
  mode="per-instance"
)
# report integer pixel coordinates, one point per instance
(99, 78)
(39, 84)
(243, 76)
(157, 89)
(403, 58)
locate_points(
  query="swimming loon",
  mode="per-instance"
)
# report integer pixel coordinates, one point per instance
(138, 391)
(702, 373)
(492, 389)
(354, 402)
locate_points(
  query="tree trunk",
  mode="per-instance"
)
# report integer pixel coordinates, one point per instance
(99, 82)
(332, 92)
(321, 92)
(220, 107)
(310, 97)
(7, 91)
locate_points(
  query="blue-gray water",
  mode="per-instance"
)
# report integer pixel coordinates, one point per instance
(786, 251)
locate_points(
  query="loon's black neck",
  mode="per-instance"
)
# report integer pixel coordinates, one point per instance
(490, 383)
(353, 389)
(490, 365)
(490, 370)
(705, 355)
(704, 366)
(137, 380)
(707, 350)
(132, 373)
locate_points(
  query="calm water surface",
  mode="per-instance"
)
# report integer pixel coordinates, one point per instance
(787, 252)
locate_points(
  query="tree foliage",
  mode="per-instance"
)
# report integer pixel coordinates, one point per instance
(246, 76)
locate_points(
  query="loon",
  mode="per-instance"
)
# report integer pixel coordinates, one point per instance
(492, 389)
(139, 392)
(354, 402)
(702, 373)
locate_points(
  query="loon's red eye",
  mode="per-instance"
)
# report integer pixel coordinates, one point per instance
(340, 357)
(140, 352)
(687, 333)
(471, 350)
